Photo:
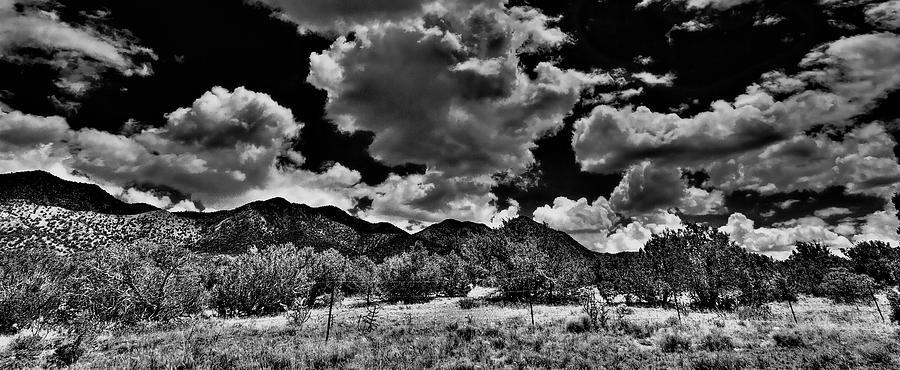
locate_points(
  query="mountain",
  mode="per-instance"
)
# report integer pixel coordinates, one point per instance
(453, 233)
(38, 210)
(42, 188)
(277, 221)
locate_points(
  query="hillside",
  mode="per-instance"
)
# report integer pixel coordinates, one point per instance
(42, 188)
(38, 210)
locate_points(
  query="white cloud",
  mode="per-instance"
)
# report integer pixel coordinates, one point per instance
(831, 211)
(779, 242)
(884, 14)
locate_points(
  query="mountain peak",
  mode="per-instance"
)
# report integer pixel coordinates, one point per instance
(43, 188)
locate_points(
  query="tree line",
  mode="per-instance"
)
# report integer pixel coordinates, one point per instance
(697, 267)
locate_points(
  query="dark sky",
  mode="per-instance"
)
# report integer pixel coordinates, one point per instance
(611, 120)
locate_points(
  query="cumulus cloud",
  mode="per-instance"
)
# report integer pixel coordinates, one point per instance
(881, 225)
(450, 95)
(863, 161)
(831, 211)
(699, 4)
(576, 216)
(884, 14)
(416, 201)
(780, 242)
(757, 142)
(43, 30)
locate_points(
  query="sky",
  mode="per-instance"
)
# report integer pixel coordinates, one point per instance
(774, 121)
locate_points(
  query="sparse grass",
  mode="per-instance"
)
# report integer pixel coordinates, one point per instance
(440, 335)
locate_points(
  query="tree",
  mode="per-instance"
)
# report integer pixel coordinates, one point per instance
(455, 277)
(808, 264)
(842, 286)
(698, 260)
(875, 259)
(410, 276)
(262, 282)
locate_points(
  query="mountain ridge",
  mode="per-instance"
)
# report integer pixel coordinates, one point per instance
(39, 209)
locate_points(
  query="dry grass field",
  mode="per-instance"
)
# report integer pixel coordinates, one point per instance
(441, 335)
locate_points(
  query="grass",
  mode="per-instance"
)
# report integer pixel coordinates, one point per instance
(440, 335)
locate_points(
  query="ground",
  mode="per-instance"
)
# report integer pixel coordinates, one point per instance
(440, 334)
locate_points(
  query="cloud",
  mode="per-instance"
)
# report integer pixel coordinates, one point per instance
(19, 131)
(699, 4)
(43, 30)
(832, 211)
(779, 242)
(885, 15)
(451, 95)
(596, 225)
(645, 188)
(344, 15)
(576, 216)
(415, 201)
(863, 161)
(881, 225)
(856, 71)
(651, 79)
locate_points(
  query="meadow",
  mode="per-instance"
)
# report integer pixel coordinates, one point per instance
(442, 335)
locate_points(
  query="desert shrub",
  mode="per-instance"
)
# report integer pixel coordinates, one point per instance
(716, 340)
(579, 324)
(139, 282)
(640, 330)
(410, 276)
(22, 353)
(754, 312)
(842, 286)
(298, 312)
(66, 351)
(263, 282)
(469, 303)
(788, 338)
(674, 341)
(31, 287)
(455, 278)
(718, 361)
(894, 303)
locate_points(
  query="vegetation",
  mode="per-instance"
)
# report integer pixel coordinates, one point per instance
(695, 270)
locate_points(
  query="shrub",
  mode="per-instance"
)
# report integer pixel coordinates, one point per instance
(144, 281)
(264, 282)
(410, 276)
(843, 286)
(579, 324)
(469, 303)
(640, 331)
(22, 353)
(894, 302)
(718, 361)
(674, 342)
(31, 287)
(716, 340)
(755, 312)
(788, 338)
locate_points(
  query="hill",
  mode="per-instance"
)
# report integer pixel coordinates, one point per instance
(39, 210)
(42, 188)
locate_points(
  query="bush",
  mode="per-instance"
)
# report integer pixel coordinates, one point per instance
(894, 302)
(843, 286)
(264, 282)
(716, 341)
(410, 276)
(141, 282)
(755, 312)
(31, 287)
(718, 361)
(789, 338)
(674, 342)
(580, 324)
(469, 303)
